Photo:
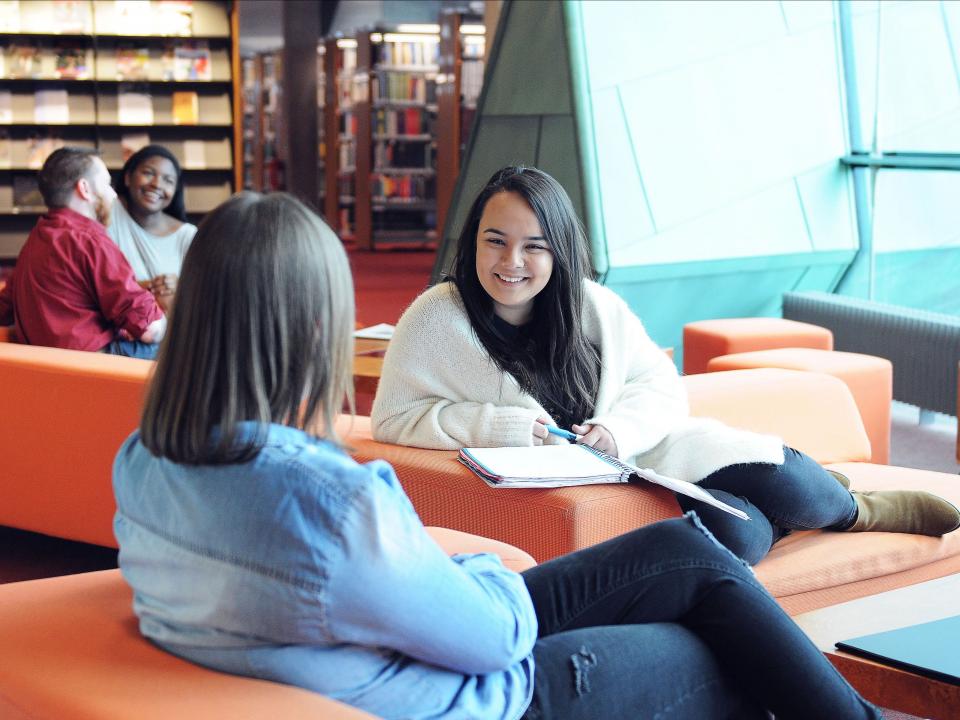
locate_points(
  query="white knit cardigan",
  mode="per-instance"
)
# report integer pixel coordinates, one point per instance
(440, 389)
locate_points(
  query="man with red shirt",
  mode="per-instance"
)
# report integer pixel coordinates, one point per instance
(72, 287)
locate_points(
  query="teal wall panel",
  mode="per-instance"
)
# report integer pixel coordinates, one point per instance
(924, 279)
(668, 296)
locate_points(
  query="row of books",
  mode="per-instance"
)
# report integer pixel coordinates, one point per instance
(406, 187)
(65, 61)
(412, 87)
(51, 106)
(34, 150)
(471, 82)
(402, 154)
(424, 52)
(122, 17)
(406, 121)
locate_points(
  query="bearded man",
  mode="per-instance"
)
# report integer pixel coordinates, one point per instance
(72, 287)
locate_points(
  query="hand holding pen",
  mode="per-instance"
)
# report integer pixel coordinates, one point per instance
(593, 435)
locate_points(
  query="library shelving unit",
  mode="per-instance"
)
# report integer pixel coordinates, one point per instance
(117, 76)
(459, 80)
(262, 118)
(344, 96)
(387, 112)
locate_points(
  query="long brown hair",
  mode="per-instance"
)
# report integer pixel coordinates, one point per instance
(558, 354)
(261, 330)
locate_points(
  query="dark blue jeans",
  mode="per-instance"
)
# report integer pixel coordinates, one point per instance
(798, 495)
(133, 348)
(664, 622)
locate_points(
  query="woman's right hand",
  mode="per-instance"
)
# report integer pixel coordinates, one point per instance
(163, 288)
(540, 429)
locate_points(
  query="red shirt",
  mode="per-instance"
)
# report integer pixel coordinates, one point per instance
(73, 288)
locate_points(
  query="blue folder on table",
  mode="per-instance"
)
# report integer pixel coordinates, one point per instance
(931, 649)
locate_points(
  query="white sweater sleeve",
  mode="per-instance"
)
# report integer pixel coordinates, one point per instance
(439, 389)
(641, 398)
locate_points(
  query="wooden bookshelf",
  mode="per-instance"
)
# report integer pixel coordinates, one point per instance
(88, 73)
(263, 151)
(458, 86)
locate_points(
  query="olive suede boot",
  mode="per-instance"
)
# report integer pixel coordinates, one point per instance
(904, 511)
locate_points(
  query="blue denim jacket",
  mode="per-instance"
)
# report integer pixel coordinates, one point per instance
(303, 567)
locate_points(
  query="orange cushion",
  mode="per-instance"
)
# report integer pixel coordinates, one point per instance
(71, 649)
(869, 378)
(812, 412)
(813, 569)
(706, 339)
(67, 414)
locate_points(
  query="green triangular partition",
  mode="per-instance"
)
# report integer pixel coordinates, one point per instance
(700, 147)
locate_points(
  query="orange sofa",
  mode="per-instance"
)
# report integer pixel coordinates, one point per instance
(813, 412)
(71, 650)
(74, 409)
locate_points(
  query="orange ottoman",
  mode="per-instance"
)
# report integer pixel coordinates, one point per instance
(707, 339)
(869, 378)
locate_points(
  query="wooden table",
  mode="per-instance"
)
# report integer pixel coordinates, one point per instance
(367, 364)
(885, 685)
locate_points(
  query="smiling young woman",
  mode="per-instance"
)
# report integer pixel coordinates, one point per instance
(150, 221)
(521, 337)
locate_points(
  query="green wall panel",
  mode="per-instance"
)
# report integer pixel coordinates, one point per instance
(530, 75)
(556, 155)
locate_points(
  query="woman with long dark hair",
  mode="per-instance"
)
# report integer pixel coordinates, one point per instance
(149, 222)
(521, 338)
(255, 545)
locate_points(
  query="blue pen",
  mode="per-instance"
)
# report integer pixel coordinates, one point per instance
(554, 430)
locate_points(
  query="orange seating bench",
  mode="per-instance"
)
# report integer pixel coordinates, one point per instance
(70, 649)
(74, 410)
(869, 378)
(705, 339)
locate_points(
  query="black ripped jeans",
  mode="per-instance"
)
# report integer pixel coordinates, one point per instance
(664, 622)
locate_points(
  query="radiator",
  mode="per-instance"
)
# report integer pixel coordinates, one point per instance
(924, 347)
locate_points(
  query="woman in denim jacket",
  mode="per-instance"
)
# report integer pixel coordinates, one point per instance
(255, 545)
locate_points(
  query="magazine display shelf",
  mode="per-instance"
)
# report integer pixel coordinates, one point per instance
(81, 73)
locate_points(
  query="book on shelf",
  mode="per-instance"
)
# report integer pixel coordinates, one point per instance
(194, 154)
(132, 17)
(23, 61)
(132, 142)
(9, 16)
(51, 107)
(404, 121)
(134, 105)
(133, 63)
(191, 61)
(173, 17)
(26, 192)
(6, 149)
(425, 52)
(186, 108)
(6, 107)
(71, 16)
(39, 149)
(71, 63)
(548, 466)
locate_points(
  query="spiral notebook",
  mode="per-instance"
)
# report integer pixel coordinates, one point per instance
(549, 466)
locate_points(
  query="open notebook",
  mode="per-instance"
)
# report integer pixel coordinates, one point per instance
(562, 465)
(931, 648)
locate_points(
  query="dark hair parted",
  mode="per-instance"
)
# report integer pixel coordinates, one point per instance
(557, 355)
(261, 331)
(176, 208)
(61, 171)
